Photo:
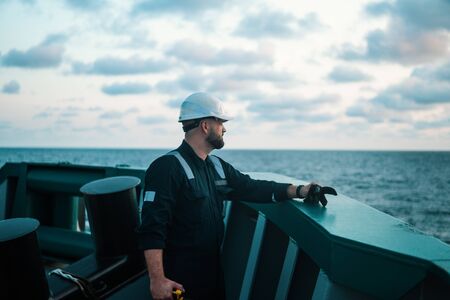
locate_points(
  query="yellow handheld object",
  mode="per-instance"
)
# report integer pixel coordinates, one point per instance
(178, 295)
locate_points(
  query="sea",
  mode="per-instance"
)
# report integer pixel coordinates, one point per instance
(410, 185)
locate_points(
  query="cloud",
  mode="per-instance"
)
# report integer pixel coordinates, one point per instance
(378, 8)
(418, 32)
(277, 24)
(86, 5)
(47, 54)
(236, 80)
(267, 23)
(413, 93)
(69, 113)
(116, 114)
(398, 99)
(43, 115)
(402, 45)
(112, 114)
(150, 120)
(25, 2)
(342, 74)
(367, 111)
(204, 54)
(428, 15)
(138, 40)
(426, 88)
(210, 82)
(282, 107)
(311, 22)
(111, 66)
(226, 84)
(440, 123)
(55, 39)
(127, 88)
(158, 7)
(175, 102)
(262, 74)
(12, 87)
(239, 80)
(4, 125)
(441, 73)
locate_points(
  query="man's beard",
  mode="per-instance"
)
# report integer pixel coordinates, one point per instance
(215, 140)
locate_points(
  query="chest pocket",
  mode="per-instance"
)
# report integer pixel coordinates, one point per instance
(222, 186)
(221, 183)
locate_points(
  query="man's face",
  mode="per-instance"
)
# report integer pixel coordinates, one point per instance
(215, 136)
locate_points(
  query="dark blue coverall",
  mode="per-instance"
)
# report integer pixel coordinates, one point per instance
(184, 217)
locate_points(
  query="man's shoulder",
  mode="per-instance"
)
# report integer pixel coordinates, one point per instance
(225, 164)
(165, 161)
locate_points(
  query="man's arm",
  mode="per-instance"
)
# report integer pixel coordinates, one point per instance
(248, 189)
(161, 183)
(160, 286)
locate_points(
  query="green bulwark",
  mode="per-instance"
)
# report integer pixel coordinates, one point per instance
(288, 250)
(355, 246)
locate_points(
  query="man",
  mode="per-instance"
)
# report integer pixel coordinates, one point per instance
(182, 225)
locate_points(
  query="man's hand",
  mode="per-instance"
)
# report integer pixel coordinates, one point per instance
(311, 193)
(162, 288)
(316, 194)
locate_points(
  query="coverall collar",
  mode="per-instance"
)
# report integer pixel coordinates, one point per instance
(190, 153)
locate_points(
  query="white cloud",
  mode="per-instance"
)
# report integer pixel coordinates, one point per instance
(427, 15)
(12, 87)
(277, 24)
(402, 45)
(418, 32)
(111, 66)
(158, 7)
(268, 61)
(48, 54)
(284, 107)
(235, 80)
(86, 5)
(151, 120)
(117, 114)
(426, 91)
(4, 125)
(347, 74)
(127, 88)
(439, 72)
(203, 54)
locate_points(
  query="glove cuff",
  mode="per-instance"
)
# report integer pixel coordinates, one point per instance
(297, 191)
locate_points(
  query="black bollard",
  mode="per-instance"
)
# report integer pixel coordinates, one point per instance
(113, 215)
(22, 274)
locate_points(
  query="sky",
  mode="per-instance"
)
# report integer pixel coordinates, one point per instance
(359, 75)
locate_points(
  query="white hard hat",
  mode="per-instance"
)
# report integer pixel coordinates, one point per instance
(202, 105)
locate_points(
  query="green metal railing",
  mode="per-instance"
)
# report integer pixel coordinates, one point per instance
(356, 246)
(288, 250)
(51, 194)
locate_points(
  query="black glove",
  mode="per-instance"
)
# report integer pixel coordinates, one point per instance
(317, 193)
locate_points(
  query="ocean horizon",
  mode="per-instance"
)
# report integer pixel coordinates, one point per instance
(412, 185)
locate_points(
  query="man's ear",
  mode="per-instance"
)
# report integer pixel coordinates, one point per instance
(204, 126)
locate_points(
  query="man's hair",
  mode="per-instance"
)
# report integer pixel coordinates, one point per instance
(188, 125)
